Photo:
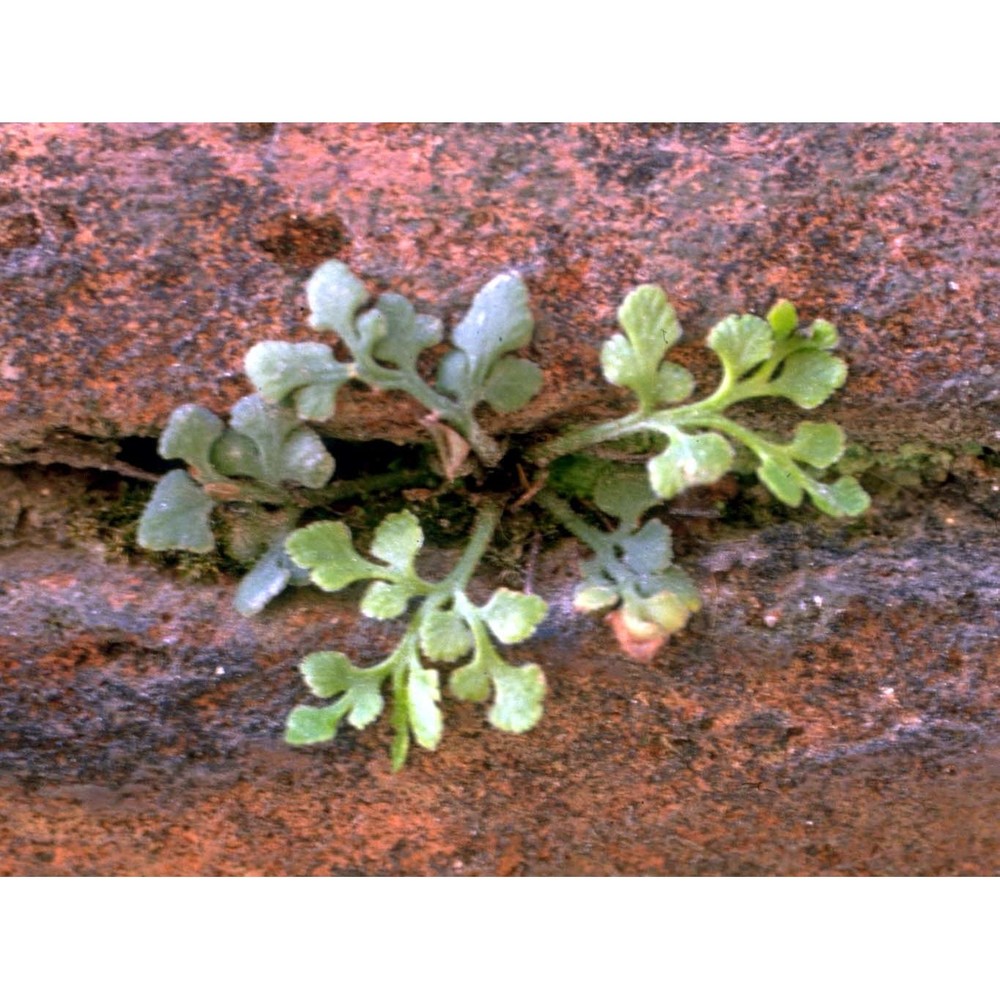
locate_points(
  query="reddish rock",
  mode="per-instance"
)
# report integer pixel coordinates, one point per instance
(138, 263)
(857, 735)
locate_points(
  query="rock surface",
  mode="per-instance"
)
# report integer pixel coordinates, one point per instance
(832, 710)
(800, 726)
(138, 263)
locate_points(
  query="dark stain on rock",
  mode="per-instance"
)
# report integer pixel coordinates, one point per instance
(647, 167)
(299, 242)
(767, 730)
(171, 265)
(255, 131)
(704, 132)
(631, 165)
(64, 217)
(19, 231)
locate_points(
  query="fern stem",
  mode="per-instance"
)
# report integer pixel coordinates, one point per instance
(487, 448)
(569, 519)
(487, 518)
(737, 432)
(253, 492)
(584, 437)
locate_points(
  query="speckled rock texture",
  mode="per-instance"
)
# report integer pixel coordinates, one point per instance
(832, 710)
(138, 263)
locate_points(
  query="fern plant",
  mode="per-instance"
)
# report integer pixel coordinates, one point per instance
(269, 456)
(256, 460)
(632, 569)
(446, 627)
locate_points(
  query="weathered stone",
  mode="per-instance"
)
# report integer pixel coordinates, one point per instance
(138, 263)
(831, 710)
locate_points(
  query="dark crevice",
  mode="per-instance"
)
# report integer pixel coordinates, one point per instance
(141, 453)
(356, 459)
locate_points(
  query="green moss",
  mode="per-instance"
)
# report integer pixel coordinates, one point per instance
(107, 516)
(578, 475)
(912, 465)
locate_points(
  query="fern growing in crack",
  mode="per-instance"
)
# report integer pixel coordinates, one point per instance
(759, 358)
(263, 452)
(269, 458)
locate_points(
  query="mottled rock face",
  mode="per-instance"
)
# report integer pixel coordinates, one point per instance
(138, 263)
(832, 709)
